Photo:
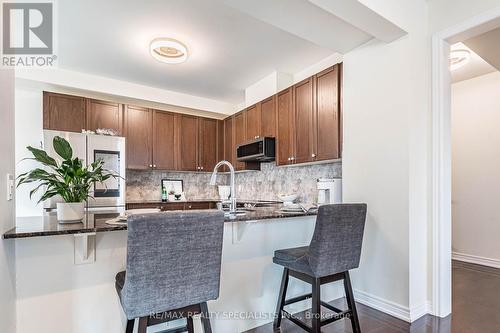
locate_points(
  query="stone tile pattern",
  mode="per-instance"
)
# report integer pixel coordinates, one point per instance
(250, 185)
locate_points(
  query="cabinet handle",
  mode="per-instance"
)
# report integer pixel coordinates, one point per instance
(151, 165)
(289, 158)
(313, 155)
(198, 168)
(293, 158)
(154, 165)
(201, 168)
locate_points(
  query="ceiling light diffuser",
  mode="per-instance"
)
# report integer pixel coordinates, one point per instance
(459, 58)
(168, 50)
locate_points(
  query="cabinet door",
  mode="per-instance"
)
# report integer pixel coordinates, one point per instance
(164, 152)
(304, 117)
(268, 117)
(229, 140)
(63, 112)
(102, 114)
(327, 115)
(188, 142)
(284, 139)
(239, 136)
(208, 144)
(253, 122)
(138, 128)
(220, 140)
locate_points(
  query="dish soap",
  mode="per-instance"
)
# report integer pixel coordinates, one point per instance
(164, 195)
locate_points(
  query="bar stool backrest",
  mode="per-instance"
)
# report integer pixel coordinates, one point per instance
(173, 260)
(336, 243)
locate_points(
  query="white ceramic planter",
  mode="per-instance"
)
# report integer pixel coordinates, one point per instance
(70, 212)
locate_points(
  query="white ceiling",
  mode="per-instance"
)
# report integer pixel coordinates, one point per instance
(474, 68)
(487, 46)
(230, 48)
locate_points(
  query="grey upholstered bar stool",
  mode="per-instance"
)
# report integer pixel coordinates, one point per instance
(335, 248)
(173, 267)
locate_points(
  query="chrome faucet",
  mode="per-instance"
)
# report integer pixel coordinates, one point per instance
(232, 203)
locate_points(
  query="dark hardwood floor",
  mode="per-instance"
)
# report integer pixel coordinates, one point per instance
(476, 309)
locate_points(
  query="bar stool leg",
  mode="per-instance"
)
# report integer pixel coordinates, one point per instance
(205, 318)
(281, 299)
(190, 324)
(143, 325)
(130, 326)
(351, 303)
(316, 306)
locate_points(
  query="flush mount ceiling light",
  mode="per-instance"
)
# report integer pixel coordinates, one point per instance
(168, 50)
(459, 58)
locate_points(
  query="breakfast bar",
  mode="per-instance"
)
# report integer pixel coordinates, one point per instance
(53, 270)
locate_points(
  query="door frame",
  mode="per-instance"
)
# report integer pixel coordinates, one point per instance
(441, 153)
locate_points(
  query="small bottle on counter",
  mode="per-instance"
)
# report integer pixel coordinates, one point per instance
(164, 195)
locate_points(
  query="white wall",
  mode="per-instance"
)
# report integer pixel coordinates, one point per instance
(385, 162)
(445, 13)
(476, 166)
(7, 219)
(29, 132)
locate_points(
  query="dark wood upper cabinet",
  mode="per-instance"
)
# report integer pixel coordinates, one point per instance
(239, 137)
(304, 119)
(220, 140)
(207, 144)
(63, 112)
(138, 128)
(268, 117)
(188, 142)
(326, 127)
(102, 114)
(284, 118)
(253, 122)
(229, 150)
(164, 141)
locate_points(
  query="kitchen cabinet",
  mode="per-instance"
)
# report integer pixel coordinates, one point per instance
(268, 117)
(253, 122)
(188, 136)
(207, 155)
(172, 205)
(164, 141)
(220, 140)
(101, 114)
(284, 116)
(229, 147)
(326, 127)
(304, 120)
(239, 136)
(63, 112)
(309, 126)
(138, 128)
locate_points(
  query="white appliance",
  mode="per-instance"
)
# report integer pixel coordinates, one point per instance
(329, 190)
(90, 147)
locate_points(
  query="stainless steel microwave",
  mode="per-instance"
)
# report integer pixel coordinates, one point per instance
(260, 150)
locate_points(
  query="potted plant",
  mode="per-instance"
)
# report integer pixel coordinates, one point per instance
(70, 179)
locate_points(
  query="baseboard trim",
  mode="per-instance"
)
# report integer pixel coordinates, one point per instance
(377, 303)
(391, 308)
(495, 263)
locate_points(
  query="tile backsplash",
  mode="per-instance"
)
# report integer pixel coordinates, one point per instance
(250, 185)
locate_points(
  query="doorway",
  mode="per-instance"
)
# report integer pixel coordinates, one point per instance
(441, 196)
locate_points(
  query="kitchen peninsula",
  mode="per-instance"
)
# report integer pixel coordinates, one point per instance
(49, 271)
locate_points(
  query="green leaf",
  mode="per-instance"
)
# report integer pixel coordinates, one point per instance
(62, 148)
(42, 157)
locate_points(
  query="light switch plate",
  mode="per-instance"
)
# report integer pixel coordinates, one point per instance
(10, 187)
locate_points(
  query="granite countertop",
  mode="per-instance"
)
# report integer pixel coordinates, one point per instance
(95, 221)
